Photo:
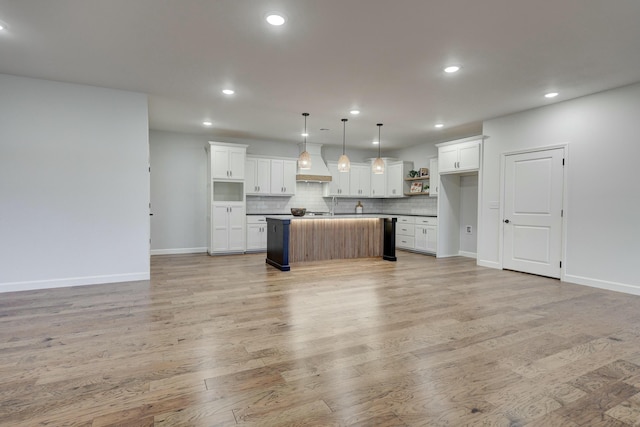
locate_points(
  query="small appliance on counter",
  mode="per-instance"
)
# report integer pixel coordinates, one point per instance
(359, 208)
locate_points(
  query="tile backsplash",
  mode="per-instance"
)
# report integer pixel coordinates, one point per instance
(310, 195)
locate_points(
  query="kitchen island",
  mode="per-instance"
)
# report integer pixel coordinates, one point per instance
(293, 239)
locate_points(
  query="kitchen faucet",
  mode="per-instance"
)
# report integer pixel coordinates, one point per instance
(334, 203)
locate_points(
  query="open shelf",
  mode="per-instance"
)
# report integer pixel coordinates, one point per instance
(424, 193)
(419, 178)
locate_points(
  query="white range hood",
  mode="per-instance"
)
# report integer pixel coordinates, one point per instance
(319, 171)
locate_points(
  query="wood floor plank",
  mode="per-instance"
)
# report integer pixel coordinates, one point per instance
(229, 340)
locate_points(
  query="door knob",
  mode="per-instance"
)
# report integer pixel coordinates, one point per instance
(506, 221)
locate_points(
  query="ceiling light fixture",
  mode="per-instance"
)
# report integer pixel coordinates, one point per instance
(343, 162)
(207, 123)
(452, 69)
(551, 94)
(228, 91)
(378, 164)
(438, 125)
(304, 161)
(355, 112)
(275, 19)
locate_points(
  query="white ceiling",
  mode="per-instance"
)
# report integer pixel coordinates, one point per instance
(383, 57)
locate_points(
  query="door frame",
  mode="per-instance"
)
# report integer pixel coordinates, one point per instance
(565, 216)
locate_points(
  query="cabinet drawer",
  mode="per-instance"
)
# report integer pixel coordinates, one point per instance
(405, 229)
(405, 220)
(256, 219)
(427, 221)
(406, 242)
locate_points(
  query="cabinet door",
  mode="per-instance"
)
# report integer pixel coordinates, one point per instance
(236, 162)
(251, 176)
(394, 180)
(360, 181)
(421, 237)
(378, 184)
(237, 222)
(219, 227)
(448, 158)
(432, 238)
(263, 176)
(469, 156)
(277, 176)
(289, 169)
(254, 236)
(220, 162)
(434, 178)
(339, 185)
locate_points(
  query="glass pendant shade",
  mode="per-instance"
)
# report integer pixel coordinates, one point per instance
(304, 161)
(343, 162)
(378, 164)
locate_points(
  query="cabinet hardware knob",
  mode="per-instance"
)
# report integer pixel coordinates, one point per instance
(506, 221)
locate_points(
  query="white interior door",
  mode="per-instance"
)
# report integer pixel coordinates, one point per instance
(532, 220)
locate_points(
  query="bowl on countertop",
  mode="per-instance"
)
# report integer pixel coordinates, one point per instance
(298, 211)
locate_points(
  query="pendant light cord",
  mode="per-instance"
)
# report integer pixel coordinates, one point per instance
(344, 130)
(305, 130)
(379, 142)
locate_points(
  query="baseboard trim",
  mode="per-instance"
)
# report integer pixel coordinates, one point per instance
(468, 254)
(489, 264)
(178, 251)
(72, 281)
(603, 284)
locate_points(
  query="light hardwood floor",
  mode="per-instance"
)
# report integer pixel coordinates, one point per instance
(225, 341)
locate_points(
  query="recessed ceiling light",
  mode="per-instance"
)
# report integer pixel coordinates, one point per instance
(207, 123)
(551, 95)
(228, 91)
(438, 125)
(275, 19)
(304, 134)
(452, 69)
(2, 27)
(376, 142)
(355, 112)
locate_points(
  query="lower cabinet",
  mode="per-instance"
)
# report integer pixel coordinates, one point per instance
(426, 234)
(417, 233)
(405, 232)
(227, 227)
(256, 233)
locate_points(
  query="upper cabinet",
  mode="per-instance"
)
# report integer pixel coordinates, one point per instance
(283, 177)
(257, 176)
(270, 177)
(454, 157)
(434, 178)
(378, 184)
(227, 160)
(360, 180)
(396, 172)
(339, 185)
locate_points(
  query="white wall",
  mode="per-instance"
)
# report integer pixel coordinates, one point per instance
(602, 201)
(178, 193)
(469, 214)
(74, 185)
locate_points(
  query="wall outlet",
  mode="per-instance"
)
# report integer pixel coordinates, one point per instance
(469, 229)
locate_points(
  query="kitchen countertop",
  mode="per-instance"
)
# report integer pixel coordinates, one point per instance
(348, 216)
(371, 215)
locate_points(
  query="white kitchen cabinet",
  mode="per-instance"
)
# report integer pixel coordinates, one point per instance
(434, 178)
(459, 157)
(227, 161)
(395, 172)
(378, 184)
(227, 227)
(256, 233)
(426, 234)
(257, 176)
(283, 177)
(360, 180)
(405, 232)
(339, 185)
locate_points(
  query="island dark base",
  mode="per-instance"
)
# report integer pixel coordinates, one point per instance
(329, 238)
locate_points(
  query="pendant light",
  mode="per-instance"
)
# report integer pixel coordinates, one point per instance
(304, 161)
(343, 162)
(378, 164)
